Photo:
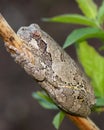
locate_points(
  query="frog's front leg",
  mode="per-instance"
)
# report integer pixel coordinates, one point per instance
(27, 61)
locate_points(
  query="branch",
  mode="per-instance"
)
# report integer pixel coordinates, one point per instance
(83, 123)
(7, 33)
(15, 45)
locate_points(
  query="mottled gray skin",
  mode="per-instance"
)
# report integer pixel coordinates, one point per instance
(55, 71)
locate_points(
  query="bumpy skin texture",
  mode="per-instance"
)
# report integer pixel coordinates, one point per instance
(55, 71)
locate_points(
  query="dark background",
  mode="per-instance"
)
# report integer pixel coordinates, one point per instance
(18, 110)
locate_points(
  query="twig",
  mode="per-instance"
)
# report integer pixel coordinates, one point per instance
(83, 123)
(7, 33)
(9, 36)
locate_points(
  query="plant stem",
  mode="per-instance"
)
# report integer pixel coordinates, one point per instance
(9, 36)
(83, 123)
(7, 33)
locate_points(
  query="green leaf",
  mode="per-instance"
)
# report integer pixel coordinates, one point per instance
(101, 48)
(88, 7)
(100, 102)
(93, 64)
(82, 34)
(58, 119)
(100, 15)
(73, 19)
(44, 100)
